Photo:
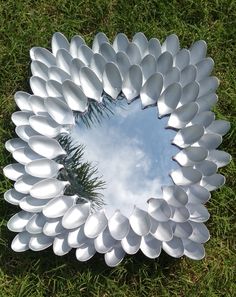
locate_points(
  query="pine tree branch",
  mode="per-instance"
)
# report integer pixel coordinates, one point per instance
(83, 176)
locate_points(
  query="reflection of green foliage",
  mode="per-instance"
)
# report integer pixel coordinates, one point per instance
(98, 111)
(82, 176)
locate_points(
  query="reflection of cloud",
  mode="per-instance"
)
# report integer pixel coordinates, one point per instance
(128, 160)
(123, 167)
(121, 110)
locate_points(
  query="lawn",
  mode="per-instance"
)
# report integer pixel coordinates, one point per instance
(24, 24)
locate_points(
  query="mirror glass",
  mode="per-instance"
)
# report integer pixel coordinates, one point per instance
(131, 149)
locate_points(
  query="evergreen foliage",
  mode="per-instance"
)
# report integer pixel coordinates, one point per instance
(82, 175)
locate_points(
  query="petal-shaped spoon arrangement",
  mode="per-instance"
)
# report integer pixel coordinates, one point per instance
(65, 83)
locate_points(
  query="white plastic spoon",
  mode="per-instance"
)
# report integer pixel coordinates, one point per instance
(15, 143)
(193, 250)
(57, 74)
(60, 245)
(95, 224)
(46, 147)
(161, 230)
(14, 171)
(131, 242)
(182, 59)
(140, 222)
(190, 155)
(112, 81)
(118, 225)
(75, 44)
(43, 55)
(39, 69)
(91, 85)
(20, 243)
(39, 242)
(37, 105)
(13, 197)
(188, 136)
(185, 176)
(53, 227)
(174, 247)
(25, 183)
(43, 168)
(175, 195)
(169, 99)
(58, 206)
(99, 39)
(107, 51)
(38, 86)
(85, 252)
(18, 222)
(59, 111)
(114, 256)
(171, 44)
(48, 188)
(85, 54)
(63, 60)
(59, 41)
(121, 42)
(25, 132)
(33, 205)
(132, 82)
(45, 125)
(25, 155)
(141, 41)
(198, 51)
(150, 246)
(36, 223)
(76, 215)
(104, 242)
(151, 90)
(133, 53)
(159, 209)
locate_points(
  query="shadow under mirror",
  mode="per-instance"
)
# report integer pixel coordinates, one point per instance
(131, 149)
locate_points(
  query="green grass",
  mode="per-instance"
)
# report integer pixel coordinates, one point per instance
(24, 24)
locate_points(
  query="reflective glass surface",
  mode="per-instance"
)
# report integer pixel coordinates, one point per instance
(131, 149)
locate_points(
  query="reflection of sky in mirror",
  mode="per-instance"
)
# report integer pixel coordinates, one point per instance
(132, 151)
